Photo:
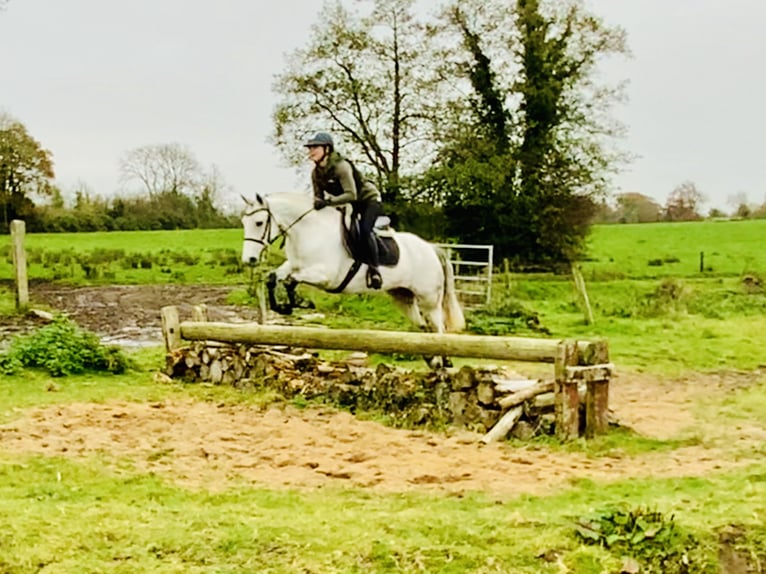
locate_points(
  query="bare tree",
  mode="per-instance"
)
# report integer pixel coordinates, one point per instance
(162, 168)
(369, 81)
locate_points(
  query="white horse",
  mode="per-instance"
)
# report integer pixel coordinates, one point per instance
(421, 282)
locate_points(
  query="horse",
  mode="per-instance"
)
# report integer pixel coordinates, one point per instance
(420, 281)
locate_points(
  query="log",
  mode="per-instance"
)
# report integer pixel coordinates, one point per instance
(590, 373)
(514, 385)
(503, 426)
(523, 396)
(453, 345)
(485, 393)
(40, 314)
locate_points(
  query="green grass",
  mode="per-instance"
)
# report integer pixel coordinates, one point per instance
(209, 256)
(665, 325)
(730, 248)
(188, 240)
(87, 515)
(63, 516)
(666, 319)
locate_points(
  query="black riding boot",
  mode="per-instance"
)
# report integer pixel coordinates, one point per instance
(374, 280)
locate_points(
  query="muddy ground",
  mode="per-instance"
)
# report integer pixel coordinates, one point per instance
(213, 445)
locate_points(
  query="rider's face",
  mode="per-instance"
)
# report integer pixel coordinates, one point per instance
(316, 153)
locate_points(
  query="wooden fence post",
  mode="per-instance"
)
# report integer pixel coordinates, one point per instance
(567, 396)
(18, 228)
(582, 291)
(171, 329)
(597, 397)
(199, 313)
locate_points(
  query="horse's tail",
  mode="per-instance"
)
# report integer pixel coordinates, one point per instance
(454, 320)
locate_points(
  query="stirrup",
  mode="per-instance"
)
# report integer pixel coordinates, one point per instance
(374, 280)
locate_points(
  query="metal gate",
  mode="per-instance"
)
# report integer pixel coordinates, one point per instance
(473, 272)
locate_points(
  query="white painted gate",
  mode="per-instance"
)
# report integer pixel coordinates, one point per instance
(473, 272)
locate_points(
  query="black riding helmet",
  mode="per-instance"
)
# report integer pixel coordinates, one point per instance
(320, 139)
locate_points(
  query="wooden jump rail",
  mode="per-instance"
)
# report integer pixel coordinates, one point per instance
(575, 362)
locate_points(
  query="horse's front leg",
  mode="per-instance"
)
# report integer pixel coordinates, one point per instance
(282, 273)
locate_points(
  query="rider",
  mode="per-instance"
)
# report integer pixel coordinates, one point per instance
(337, 182)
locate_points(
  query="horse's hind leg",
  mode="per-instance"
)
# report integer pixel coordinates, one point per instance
(433, 321)
(405, 301)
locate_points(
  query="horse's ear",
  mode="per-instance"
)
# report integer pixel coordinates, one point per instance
(259, 198)
(246, 200)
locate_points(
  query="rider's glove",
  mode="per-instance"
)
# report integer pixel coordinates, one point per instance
(319, 203)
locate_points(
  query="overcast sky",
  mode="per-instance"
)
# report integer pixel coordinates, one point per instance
(91, 79)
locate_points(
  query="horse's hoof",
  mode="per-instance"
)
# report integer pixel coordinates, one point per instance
(374, 280)
(434, 363)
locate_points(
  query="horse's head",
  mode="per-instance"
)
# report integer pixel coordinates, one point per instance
(259, 228)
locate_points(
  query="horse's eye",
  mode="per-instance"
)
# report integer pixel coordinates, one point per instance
(259, 224)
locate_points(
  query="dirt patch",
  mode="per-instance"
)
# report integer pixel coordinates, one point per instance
(207, 445)
(126, 314)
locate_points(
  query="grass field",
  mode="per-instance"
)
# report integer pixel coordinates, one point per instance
(728, 248)
(102, 513)
(93, 515)
(649, 298)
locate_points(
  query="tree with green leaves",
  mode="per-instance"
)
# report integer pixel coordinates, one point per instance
(26, 171)
(492, 113)
(539, 124)
(563, 158)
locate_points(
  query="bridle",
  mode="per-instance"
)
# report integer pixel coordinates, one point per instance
(266, 238)
(267, 228)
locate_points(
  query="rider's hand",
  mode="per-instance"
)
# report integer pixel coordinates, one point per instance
(320, 203)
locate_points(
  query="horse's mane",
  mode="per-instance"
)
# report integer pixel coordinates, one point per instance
(291, 204)
(298, 198)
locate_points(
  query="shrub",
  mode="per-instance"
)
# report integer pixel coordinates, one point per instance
(651, 538)
(63, 348)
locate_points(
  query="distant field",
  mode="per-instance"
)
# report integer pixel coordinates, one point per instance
(648, 296)
(730, 248)
(191, 240)
(131, 257)
(634, 251)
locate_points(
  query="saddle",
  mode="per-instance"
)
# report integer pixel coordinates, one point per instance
(388, 249)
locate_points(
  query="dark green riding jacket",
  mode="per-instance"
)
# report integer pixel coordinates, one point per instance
(337, 180)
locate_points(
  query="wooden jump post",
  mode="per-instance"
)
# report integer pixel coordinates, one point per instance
(574, 362)
(18, 228)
